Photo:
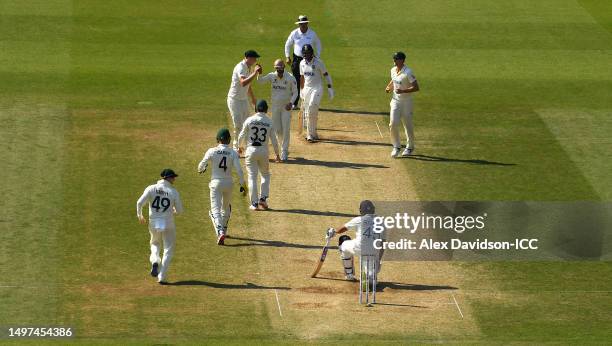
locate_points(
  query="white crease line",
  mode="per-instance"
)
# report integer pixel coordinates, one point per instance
(381, 135)
(280, 312)
(457, 305)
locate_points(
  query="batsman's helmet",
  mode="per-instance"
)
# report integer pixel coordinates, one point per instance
(343, 238)
(366, 207)
(399, 56)
(307, 48)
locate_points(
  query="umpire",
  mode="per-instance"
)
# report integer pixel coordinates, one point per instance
(297, 39)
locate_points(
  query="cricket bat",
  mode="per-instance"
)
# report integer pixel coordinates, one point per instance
(322, 259)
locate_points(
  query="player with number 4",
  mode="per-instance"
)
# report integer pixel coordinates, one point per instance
(222, 158)
(256, 130)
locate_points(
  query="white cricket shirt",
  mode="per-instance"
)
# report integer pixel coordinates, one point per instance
(222, 158)
(236, 90)
(313, 73)
(297, 40)
(284, 90)
(402, 80)
(257, 129)
(163, 201)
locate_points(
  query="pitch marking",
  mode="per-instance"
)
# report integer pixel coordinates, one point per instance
(457, 305)
(280, 312)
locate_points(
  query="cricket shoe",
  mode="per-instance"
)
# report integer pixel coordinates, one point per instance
(407, 152)
(155, 269)
(295, 107)
(395, 152)
(350, 277)
(253, 206)
(221, 239)
(310, 139)
(262, 204)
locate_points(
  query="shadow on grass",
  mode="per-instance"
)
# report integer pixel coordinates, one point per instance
(352, 112)
(431, 158)
(331, 164)
(411, 287)
(311, 212)
(273, 243)
(350, 142)
(245, 286)
(398, 286)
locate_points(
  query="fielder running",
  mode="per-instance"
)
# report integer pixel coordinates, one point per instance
(284, 94)
(164, 201)
(312, 70)
(257, 129)
(242, 76)
(222, 158)
(363, 244)
(402, 83)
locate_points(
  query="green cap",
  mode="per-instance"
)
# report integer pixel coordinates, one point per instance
(223, 134)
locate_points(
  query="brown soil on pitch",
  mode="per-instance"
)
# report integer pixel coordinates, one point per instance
(321, 186)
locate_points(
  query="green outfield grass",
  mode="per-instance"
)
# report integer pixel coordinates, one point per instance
(97, 97)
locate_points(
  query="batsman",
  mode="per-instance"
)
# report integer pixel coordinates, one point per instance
(363, 244)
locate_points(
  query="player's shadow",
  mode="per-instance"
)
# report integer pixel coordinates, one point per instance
(311, 212)
(351, 142)
(352, 112)
(431, 158)
(273, 243)
(332, 164)
(411, 287)
(245, 286)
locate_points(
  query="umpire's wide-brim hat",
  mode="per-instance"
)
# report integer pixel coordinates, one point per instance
(302, 20)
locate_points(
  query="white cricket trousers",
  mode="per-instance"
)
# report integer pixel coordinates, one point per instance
(257, 163)
(401, 112)
(311, 102)
(281, 121)
(349, 249)
(239, 109)
(220, 200)
(165, 238)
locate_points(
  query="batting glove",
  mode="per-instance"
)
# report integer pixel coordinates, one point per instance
(331, 232)
(330, 93)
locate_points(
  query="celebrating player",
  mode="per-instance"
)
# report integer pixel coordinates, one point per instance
(363, 244)
(312, 70)
(222, 158)
(242, 76)
(257, 129)
(164, 202)
(402, 84)
(284, 93)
